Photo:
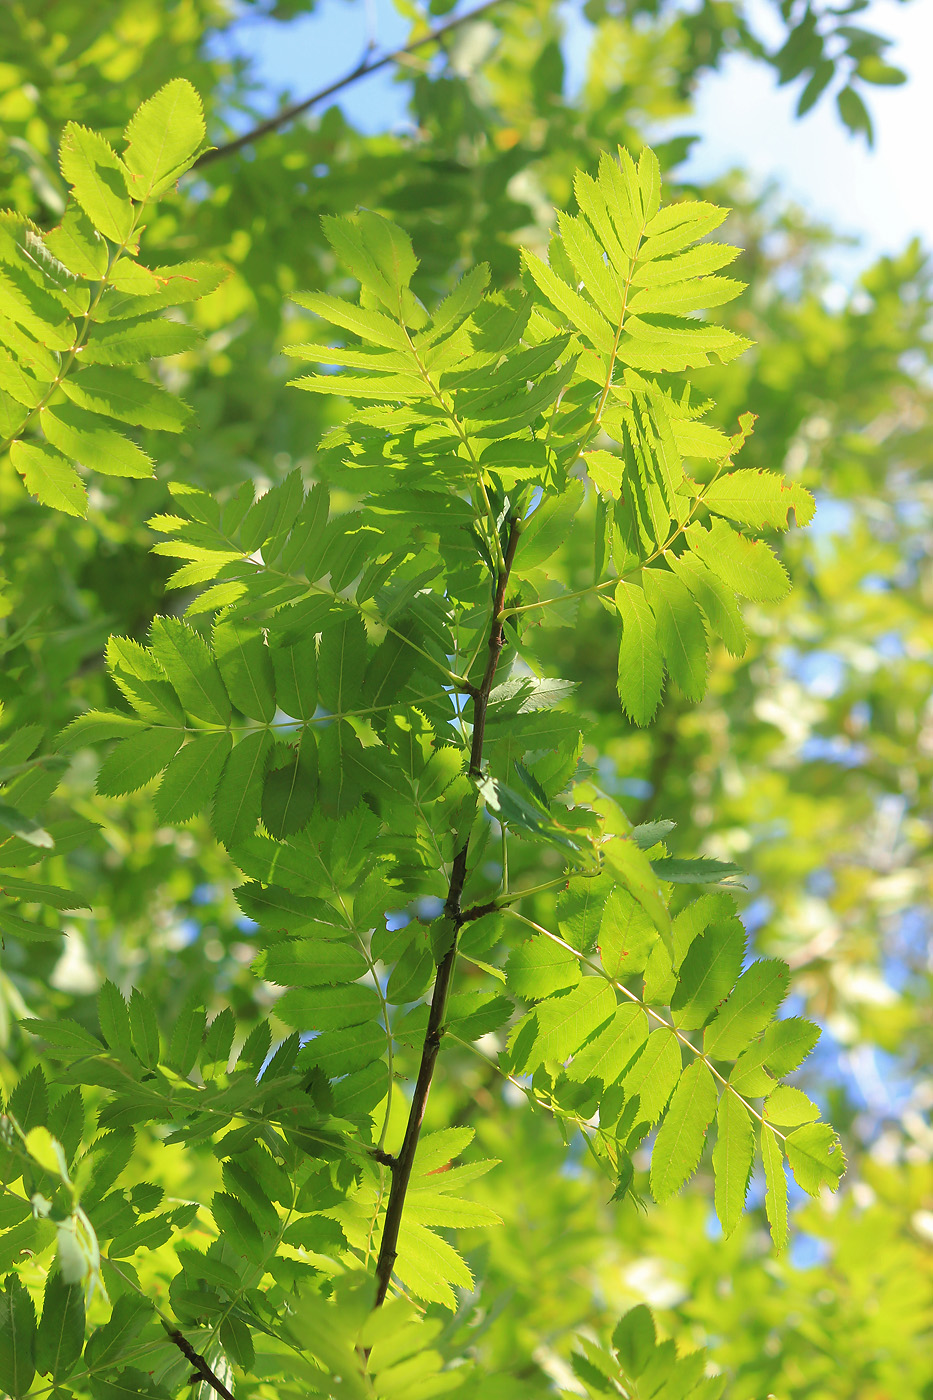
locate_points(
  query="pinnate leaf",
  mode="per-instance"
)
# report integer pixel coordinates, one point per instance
(97, 176)
(732, 1159)
(60, 1335)
(758, 993)
(187, 660)
(91, 442)
(747, 566)
(775, 1186)
(162, 138)
(190, 779)
(655, 1073)
(641, 666)
(135, 761)
(708, 973)
(758, 498)
(815, 1157)
(246, 666)
(679, 629)
(789, 1106)
(681, 1136)
(49, 477)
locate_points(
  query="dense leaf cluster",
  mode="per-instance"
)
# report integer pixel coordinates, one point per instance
(357, 717)
(351, 814)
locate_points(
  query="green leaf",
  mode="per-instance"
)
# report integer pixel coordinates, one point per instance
(24, 827)
(29, 1101)
(187, 1034)
(775, 1187)
(732, 1159)
(641, 667)
(313, 962)
(708, 973)
(109, 1344)
(17, 1338)
(60, 1335)
(370, 325)
(290, 791)
(145, 1028)
(341, 664)
(581, 315)
(627, 935)
(563, 1023)
(162, 139)
(95, 727)
(748, 566)
(114, 1016)
(170, 286)
(681, 298)
(132, 342)
(328, 1007)
(679, 629)
(788, 1043)
(789, 1107)
(77, 245)
(97, 176)
(66, 1037)
(854, 113)
(815, 1157)
(633, 869)
(608, 1054)
(189, 781)
(460, 303)
(52, 895)
(67, 1122)
(698, 870)
(586, 255)
(136, 761)
(239, 793)
(548, 527)
(715, 598)
(127, 1384)
(538, 967)
(680, 1139)
(246, 666)
(49, 477)
(605, 470)
(188, 663)
(758, 993)
(238, 1229)
(121, 394)
(761, 499)
(143, 682)
(634, 1339)
(655, 1074)
(678, 225)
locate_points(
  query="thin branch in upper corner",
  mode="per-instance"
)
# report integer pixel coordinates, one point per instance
(363, 69)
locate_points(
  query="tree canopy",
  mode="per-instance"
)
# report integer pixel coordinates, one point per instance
(466, 741)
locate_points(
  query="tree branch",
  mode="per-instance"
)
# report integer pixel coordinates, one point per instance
(203, 1372)
(405, 1161)
(362, 70)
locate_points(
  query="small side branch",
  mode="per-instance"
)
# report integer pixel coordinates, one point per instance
(362, 70)
(404, 1163)
(202, 1371)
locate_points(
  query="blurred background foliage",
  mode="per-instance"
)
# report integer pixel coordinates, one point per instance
(810, 760)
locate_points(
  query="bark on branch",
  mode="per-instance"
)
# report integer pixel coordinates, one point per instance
(202, 1371)
(405, 1161)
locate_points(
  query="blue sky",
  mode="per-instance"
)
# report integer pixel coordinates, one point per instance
(883, 196)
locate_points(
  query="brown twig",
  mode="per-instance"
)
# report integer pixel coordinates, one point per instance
(203, 1371)
(362, 70)
(402, 1169)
